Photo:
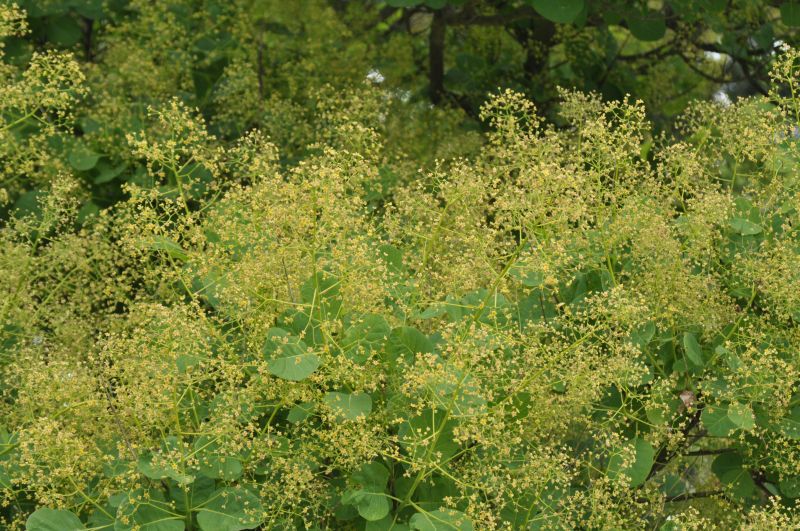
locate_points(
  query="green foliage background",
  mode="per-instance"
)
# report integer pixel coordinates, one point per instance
(302, 265)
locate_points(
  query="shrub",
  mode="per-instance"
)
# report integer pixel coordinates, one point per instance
(583, 326)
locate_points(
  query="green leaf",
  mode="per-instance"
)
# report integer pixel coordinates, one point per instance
(674, 485)
(745, 227)
(322, 292)
(147, 512)
(386, 523)
(300, 412)
(790, 13)
(88, 211)
(370, 500)
(45, 519)
(393, 258)
(170, 247)
(639, 469)
(350, 406)
(296, 367)
(643, 335)
(790, 487)
(693, 350)
(790, 425)
(102, 517)
(288, 357)
(559, 11)
(157, 472)
(366, 336)
(214, 464)
(209, 286)
(403, 3)
(83, 159)
(428, 432)
(405, 343)
(197, 494)
(528, 277)
(742, 415)
(716, 421)
(89, 8)
(441, 520)
(371, 506)
(372, 474)
(649, 26)
(729, 469)
(230, 509)
(64, 31)
(106, 172)
(457, 393)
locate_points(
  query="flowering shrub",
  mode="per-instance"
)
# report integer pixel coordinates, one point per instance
(584, 326)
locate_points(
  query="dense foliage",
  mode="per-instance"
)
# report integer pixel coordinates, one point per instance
(663, 52)
(243, 287)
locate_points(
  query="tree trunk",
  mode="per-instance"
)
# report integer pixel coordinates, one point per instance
(436, 56)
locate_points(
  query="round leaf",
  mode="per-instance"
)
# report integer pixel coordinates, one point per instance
(147, 513)
(441, 520)
(639, 469)
(64, 31)
(693, 350)
(429, 428)
(294, 368)
(372, 475)
(716, 421)
(83, 159)
(230, 509)
(157, 472)
(371, 506)
(365, 336)
(790, 487)
(648, 27)
(729, 469)
(742, 415)
(350, 406)
(107, 172)
(790, 13)
(406, 342)
(45, 519)
(215, 465)
(300, 412)
(790, 425)
(559, 11)
(288, 358)
(745, 227)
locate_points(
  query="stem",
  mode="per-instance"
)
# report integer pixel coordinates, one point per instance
(708, 452)
(693, 495)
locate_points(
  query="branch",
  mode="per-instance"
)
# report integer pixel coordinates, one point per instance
(708, 452)
(664, 455)
(469, 18)
(758, 479)
(694, 495)
(706, 75)
(751, 78)
(658, 52)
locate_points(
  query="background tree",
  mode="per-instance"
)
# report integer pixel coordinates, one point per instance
(664, 52)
